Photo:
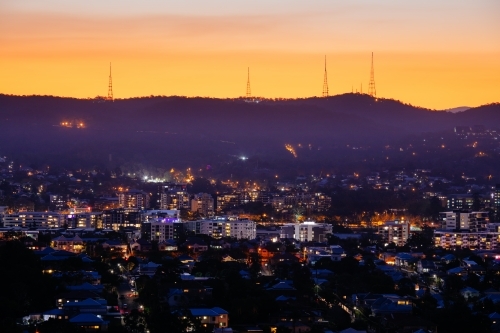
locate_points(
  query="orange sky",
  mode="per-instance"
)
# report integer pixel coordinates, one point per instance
(433, 55)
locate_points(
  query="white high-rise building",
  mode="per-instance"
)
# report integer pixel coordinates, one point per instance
(308, 231)
(395, 232)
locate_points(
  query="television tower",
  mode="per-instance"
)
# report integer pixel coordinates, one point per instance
(110, 86)
(371, 85)
(325, 83)
(249, 92)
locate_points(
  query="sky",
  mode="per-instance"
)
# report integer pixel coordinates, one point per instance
(434, 54)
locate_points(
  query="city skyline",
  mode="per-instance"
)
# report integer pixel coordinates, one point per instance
(425, 55)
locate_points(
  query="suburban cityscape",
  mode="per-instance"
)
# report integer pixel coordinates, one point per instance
(109, 251)
(259, 166)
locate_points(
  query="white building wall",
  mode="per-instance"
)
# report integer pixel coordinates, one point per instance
(34, 220)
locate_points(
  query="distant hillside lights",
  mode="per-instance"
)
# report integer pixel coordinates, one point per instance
(73, 124)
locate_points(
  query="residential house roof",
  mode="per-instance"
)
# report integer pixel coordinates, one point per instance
(86, 318)
(208, 312)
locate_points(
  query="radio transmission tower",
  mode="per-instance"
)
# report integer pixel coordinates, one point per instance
(325, 83)
(371, 85)
(110, 86)
(249, 92)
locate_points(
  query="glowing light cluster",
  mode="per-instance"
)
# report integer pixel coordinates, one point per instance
(71, 124)
(291, 150)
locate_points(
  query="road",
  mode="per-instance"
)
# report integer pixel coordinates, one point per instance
(125, 289)
(265, 270)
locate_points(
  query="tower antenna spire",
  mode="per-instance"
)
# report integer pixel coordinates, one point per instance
(110, 86)
(249, 92)
(371, 85)
(325, 83)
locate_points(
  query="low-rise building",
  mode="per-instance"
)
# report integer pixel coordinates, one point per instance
(212, 318)
(465, 239)
(308, 231)
(34, 220)
(223, 227)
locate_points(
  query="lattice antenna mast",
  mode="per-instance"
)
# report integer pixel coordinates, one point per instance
(110, 86)
(249, 92)
(325, 83)
(371, 85)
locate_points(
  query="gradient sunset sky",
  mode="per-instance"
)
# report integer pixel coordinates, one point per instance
(431, 53)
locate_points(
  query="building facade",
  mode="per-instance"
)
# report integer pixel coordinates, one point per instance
(161, 230)
(460, 220)
(203, 203)
(116, 219)
(237, 228)
(446, 239)
(307, 231)
(133, 199)
(85, 220)
(395, 232)
(34, 220)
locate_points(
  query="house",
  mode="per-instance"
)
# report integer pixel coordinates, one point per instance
(55, 314)
(196, 245)
(167, 245)
(149, 268)
(495, 321)
(244, 274)
(86, 286)
(176, 298)
(115, 245)
(185, 259)
(235, 258)
(448, 258)
(268, 251)
(425, 266)
(456, 270)
(71, 244)
(89, 322)
(141, 245)
(388, 257)
(283, 258)
(469, 293)
(404, 259)
(44, 252)
(214, 317)
(293, 327)
(322, 273)
(88, 305)
(337, 252)
(282, 288)
(407, 322)
(75, 296)
(194, 291)
(391, 305)
(351, 330)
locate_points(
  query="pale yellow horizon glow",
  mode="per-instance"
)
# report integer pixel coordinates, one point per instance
(426, 56)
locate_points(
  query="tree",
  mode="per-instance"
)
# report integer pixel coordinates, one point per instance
(201, 185)
(25, 288)
(136, 322)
